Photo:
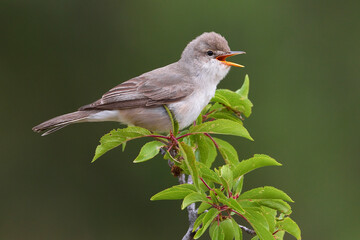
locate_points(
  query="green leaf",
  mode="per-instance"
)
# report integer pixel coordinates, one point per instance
(198, 221)
(228, 228)
(123, 146)
(279, 235)
(259, 223)
(203, 206)
(199, 119)
(173, 193)
(270, 215)
(190, 161)
(237, 230)
(238, 185)
(174, 123)
(117, 137)
(233, 100)
(227, 151)
(265, 193)
(206, 151)
(233, 204)
(216, 232)
(213, 197)
(259, 160)
(148, 151)
(244, 90)
(209, 217)
(193, 197)
(216, 107)
(249, 204)
(226, 177)
(276, 204)
(222, 126)
(206, 173)
(225, 114)
(289, 226)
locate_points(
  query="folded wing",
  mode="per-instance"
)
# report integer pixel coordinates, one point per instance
(149, 90)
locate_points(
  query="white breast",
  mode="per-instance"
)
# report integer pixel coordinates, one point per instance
(187, 110)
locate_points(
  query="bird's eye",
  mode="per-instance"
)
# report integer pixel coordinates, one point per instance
(210, 53)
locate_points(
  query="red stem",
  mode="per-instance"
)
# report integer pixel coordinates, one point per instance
(206, 184)
(158, 136)
(185, 135)
(208, 135)
(275, 232)
(239, 215)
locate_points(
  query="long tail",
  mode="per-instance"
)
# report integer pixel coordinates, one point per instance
(59, 122)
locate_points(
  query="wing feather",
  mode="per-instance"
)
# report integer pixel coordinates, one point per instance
(147, 90)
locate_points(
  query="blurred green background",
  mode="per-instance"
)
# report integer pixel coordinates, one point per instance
(303, 62)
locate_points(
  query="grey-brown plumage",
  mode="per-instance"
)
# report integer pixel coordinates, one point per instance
(185, 87)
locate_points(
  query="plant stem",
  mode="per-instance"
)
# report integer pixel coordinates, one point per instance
(247, 230)
(192, 211)
(208, 135)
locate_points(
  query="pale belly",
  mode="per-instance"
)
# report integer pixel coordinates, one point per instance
(156, 119)
(187, 110)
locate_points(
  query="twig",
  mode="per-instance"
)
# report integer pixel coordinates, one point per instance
(192, 211)
(247, 230)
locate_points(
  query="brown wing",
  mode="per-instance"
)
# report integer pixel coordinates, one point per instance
(144, 91)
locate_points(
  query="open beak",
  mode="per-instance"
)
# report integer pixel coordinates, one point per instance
(222, 58)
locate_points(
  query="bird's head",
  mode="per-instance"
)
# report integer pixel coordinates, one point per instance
(210, 49)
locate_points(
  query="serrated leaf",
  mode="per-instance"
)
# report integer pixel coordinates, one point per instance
(207, 174)
(289, 226)
(244, 90)
(203, 206)
(216, 107)
(117, 137)
(265, 193)
(233, 204)
(198, 221)
(206, 151)
(186, 186)
(213, 197)
(228, 228)
(227, 177)
(234, 101)
(193, 197)
(237, 230)
(217, 233)
(276, 204)
(209, 217)
(238, 185)
(220, 194)
(225, 114)
(279, 235)
(259, 224)
(173, 193)
(259, 160)
(190, 161)
(227, 151)
(148, 151)
(221, 126)
(270, 215)
(249, 204)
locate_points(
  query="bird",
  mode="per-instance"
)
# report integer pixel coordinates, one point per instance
(185, 87)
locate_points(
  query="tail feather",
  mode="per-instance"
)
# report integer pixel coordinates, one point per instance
(59, 122)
